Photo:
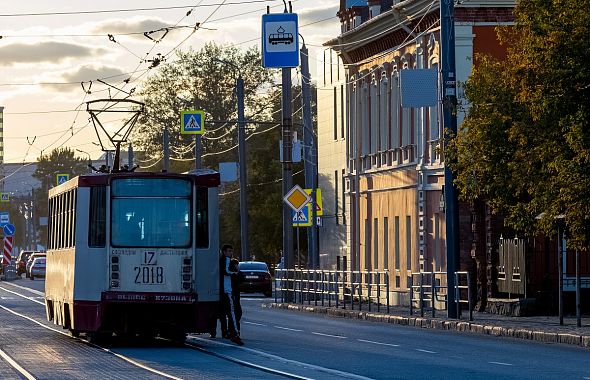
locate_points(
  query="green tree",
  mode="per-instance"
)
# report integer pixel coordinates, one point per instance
(524, 146)
(59, 161)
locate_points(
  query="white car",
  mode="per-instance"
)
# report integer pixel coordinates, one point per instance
(37, 268)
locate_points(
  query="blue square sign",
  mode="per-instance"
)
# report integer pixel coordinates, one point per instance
(192, 122)
(280, 40)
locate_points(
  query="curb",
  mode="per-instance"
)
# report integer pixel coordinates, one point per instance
(442, 324)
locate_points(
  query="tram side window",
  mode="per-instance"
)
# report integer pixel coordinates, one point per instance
(97, 222)
(202, 218)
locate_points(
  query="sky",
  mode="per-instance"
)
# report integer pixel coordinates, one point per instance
(48, 48)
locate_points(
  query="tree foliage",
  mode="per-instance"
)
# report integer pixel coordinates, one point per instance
(197, 79)
(59, 161)
(524, 146)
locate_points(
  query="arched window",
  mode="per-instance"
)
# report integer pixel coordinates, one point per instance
(384, 93)
(374, 114)
(395, 105)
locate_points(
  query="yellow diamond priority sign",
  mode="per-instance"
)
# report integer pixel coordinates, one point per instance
(297, 198)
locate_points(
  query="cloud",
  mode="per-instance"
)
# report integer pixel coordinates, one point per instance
(310, 15)
(86, 74)
(45, 52)
(135, 27)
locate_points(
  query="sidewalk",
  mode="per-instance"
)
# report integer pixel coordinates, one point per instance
(544, 329)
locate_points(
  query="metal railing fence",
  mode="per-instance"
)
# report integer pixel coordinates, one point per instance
(369, 289)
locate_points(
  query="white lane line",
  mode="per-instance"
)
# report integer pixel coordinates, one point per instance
(329, 335)
(8, 298)
(330, 371)
(501, 363)
(380, 343)
(253, 323)
(16, 366)
(287, 328)
(20, 295)
(427, 351)
(128, 360)
(586, 377)
(27, 289)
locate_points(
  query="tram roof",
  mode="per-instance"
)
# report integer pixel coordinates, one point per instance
(203, 177)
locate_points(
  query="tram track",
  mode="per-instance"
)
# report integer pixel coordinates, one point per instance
(188, 345)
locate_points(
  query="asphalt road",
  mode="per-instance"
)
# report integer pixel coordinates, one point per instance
(315, 346)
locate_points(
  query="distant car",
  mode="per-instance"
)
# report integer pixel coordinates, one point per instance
(32, 258)
(255, 278)
(37, 268)
(21, 261)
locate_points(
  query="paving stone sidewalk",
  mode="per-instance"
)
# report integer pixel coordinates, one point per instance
(540, 328)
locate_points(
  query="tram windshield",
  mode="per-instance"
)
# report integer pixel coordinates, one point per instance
(150, 212)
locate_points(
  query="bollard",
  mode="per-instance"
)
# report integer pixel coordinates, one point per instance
(378, 292)
(369, 289)
(387, 288)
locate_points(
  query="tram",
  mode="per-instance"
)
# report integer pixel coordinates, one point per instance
(134, 253)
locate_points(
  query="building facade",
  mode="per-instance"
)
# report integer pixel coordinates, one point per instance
(387, 159)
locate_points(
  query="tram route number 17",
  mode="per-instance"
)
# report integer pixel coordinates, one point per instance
(149, 272)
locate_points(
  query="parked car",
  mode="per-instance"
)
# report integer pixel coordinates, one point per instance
(32, 258)
(256, 278)
(21, 261)
(37, 268)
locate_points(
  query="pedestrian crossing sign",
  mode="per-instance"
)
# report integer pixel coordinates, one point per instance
(301, 218)
(62, 178)
(4, 197)
(192, 122)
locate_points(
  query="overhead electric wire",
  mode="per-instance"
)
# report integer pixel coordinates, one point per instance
(128, 9)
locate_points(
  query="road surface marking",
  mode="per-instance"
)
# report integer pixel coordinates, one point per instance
(331, 371)
(27, 289)
(16, 366)
(427, 351)
(286, 328)
(8, 298)
(501, 363)
(122, 357)
(253, 323)
(332, 336)
(382, 344)
(20, 295)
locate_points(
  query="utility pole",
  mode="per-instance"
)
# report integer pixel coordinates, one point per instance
(198, 152)
(130, 156)
(243, 169)
(166, 148)
(310, 157)
(287, 116)
(449, 107)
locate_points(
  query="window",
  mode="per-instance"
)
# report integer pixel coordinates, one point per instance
(343, 191)
(409, 243)
(433, 118)
(375, 243)
(202, 217)
(336, 196)
(151, 212)
(385, 243)
(97, 222)
(335, 109)
(367, 244)
(364, 124)
(397, 240)
(374, 117)
(383, 113)
(395, 103)
(342, 111)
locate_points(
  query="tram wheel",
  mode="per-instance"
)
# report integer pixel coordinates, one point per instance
(75, 333)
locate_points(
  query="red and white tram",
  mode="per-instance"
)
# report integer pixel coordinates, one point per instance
(134, 253)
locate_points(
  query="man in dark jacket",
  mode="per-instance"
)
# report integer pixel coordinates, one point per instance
(227, 300)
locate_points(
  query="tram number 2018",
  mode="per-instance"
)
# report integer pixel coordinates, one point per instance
(149, 275)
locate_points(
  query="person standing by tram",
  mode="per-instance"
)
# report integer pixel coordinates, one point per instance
(227, 299)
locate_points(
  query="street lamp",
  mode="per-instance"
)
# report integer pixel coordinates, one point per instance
(242, 160)
(89, 159)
